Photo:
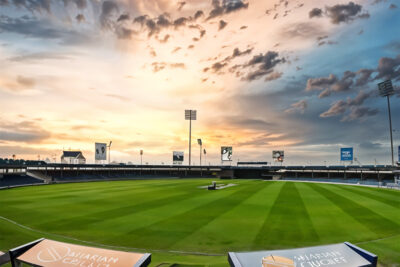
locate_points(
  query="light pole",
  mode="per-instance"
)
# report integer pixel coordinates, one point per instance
(109, 152)
(141, 156)
(205, 155)
(386, 89)
(200, 144)
(190, 115)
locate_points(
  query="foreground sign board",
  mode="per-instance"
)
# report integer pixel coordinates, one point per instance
(343, 255)
(346, 154)
(49, 253)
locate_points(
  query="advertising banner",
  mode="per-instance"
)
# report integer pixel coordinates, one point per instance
(100, 151)
(278, 155)
(49, 253)
(177, 157)
(346, 154)
(343, 255)
(226, 153)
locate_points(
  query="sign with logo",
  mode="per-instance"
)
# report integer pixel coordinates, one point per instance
(278, 155)
(226, 153)
(177, 157)
(100, 151)
(346, 154)
(49, 253)
(343, 255)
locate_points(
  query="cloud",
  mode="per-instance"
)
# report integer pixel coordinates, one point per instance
(264, 64)
(303, 30)
(337, 108)
(360, 113)
(39, 6)
(320, 83)
(222, 24)
(123, 17)
(198, 14)
(370, 145)
(34, 57)
(388, 68)
(24, 131)
(124, 33)
(357, 111)
(180, 5)
(108, 9)
(340, 13)
(226, 7)
(119, 97)
(80, 18)
(80, 4)
(25, 81)
(315, 12)
(158, 66)
(217, 66)
(298, 107)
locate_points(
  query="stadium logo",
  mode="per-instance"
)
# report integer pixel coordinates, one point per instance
(53, 254)
(277, 261)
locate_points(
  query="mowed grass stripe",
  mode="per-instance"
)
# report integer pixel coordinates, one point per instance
(95, 193)
(393, 203)
(389, 212)
(330, 222)
(288, 211)
(50, 213)
(376, 223)
(235, 227)
(173, 229)
(142, 201)
(121, 229)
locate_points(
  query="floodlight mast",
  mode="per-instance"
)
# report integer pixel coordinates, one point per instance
(109, 152)
(386, 89)
(190, 115)
(200, 144)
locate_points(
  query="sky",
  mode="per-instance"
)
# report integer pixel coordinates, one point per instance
(297, 75)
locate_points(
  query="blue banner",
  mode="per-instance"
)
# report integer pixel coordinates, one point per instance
(346, 154)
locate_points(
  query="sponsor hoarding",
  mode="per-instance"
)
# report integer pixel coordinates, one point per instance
(346, 154)
(226, 153)
(100, 151)
(343, 255)
(49, 253)
(278, 155)
(177, 157)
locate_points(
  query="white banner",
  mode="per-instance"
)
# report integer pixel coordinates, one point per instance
(100, 151)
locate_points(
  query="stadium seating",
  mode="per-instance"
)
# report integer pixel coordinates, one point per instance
(15, 180)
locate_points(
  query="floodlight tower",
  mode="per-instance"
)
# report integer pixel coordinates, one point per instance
(386, 89)
(190, 115)
(200, 144)
(109, 152)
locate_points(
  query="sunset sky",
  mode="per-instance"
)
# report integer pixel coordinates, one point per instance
(299, 76)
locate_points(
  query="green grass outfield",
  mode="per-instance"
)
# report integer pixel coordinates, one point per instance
(166, 217)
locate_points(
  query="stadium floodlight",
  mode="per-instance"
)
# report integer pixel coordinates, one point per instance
(205, 155)
(141, 156)
(109, 152)
(386, 89)
(190, 115)
(200, 144)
